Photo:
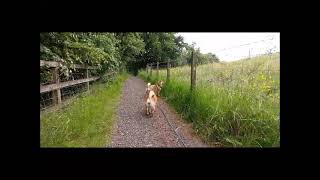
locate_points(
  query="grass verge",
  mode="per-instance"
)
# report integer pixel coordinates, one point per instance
(86, 122)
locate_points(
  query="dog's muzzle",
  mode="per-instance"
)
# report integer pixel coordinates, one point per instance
(148, 101)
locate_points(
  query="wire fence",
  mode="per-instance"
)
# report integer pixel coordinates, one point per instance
(259, 68)
(253, 73)
(47, 98)
(73, 89)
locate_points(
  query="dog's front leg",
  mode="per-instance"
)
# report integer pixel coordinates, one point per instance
(153, 109)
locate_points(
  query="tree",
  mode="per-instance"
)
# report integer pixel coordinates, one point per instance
(98, 49)
(214, 58)
(131, 47)
(110, 51)
(162, 46)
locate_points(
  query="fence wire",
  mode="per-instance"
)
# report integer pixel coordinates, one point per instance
(46, 99)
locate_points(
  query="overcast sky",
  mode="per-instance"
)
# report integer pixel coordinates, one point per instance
(231, 42)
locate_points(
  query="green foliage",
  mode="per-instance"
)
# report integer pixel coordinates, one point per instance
(131, 49)
(109, 51)
(116, 51)
(97, 49)
(207, 58)
(186, 52)
(162, 46)
(131, 45)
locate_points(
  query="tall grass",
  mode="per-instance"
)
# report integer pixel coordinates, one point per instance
(235, 104)
(87, 122)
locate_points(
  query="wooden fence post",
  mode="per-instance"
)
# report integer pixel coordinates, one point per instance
(193, 72)
(158, 69)
(151, 69)
(56, 94)
(168, 70)
(87, 73)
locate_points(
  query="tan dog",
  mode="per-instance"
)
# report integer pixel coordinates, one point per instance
(151, 101)
(156, 88)
(160, 83)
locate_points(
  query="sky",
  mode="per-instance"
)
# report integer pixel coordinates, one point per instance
(234, 46)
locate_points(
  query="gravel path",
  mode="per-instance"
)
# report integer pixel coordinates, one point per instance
(135, 129)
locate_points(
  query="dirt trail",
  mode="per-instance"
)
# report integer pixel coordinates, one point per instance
(134, 129)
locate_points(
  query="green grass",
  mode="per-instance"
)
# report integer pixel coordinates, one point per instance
(236, 104)
(87, 122)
